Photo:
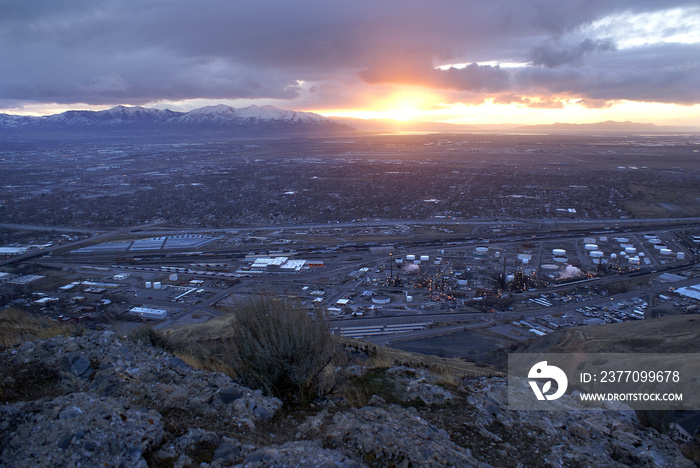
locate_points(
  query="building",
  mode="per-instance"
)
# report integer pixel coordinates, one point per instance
(147, 313)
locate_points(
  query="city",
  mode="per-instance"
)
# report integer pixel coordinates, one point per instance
(394, 238)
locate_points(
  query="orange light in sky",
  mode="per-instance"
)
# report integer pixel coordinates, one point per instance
(405, 104)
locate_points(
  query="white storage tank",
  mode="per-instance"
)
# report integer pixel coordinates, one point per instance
(589, 240)
(381, 299)
(597, 254)
(410, 258)
(561, 259)
(680, 256)
(173, 277)
(558, 252)
(482, 249)
(157, 285)
(630, 250)
(148, 285)
(666, 251)
(634, 260)
(409, 298)
(623, 240)
(591, 246)
(613, 256)
(424, 258)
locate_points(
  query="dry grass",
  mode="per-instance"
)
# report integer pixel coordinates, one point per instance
(389, 357)
(17, 327)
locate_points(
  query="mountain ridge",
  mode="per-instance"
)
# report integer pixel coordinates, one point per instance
(252, 120)
(269, 120)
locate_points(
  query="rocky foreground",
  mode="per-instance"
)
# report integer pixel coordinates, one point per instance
(98, 400)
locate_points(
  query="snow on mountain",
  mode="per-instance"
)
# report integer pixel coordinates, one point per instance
(13, 121)
(254, 120)
(222, 114)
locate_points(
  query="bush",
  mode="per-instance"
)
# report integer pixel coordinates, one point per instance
(151, 337)
(280, 348)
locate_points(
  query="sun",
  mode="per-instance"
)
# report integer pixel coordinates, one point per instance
(404, 105)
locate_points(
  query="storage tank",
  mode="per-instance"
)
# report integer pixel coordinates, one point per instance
(623, 240)
(157, 285)
(603, 238)
(589, 240)
(381, 299)
(659, 246)
(558, 252)
(633, 260)
(591, 246)
(424, 258)
(613, 256)
(655, 241)
(630, 250)
(680, 256)
(597, 254)
(550, 267)
(482, 249)
(148, 285)
(409, 298)
(173, 277)
(560, 259)
(665, 251)
(410, 258)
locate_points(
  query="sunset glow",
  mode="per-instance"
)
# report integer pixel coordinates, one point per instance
(470, 62)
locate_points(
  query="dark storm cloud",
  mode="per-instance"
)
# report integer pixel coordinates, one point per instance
(134, 52)
(554, 55)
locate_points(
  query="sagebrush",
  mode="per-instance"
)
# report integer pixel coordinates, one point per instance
(280, 347)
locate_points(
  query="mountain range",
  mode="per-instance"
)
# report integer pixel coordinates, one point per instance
(140, 121)
(255, 121)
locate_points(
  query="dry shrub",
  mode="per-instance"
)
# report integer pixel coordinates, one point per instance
(281, 348)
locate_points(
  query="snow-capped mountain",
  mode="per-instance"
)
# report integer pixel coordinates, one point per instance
(252, 120)
(222, 114)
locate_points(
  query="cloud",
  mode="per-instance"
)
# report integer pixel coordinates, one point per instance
(553, 55)
(473, 77)
(330, 54)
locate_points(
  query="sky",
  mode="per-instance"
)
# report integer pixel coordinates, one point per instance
(459, 61)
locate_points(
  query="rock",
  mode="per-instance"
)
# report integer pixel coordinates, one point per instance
(301, 454)
(111, 401)
(394, 436)
(104, 433)
(228, 450)
(230, 394)
(77, 364)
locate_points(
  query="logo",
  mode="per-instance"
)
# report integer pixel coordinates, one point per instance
(551, 373)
